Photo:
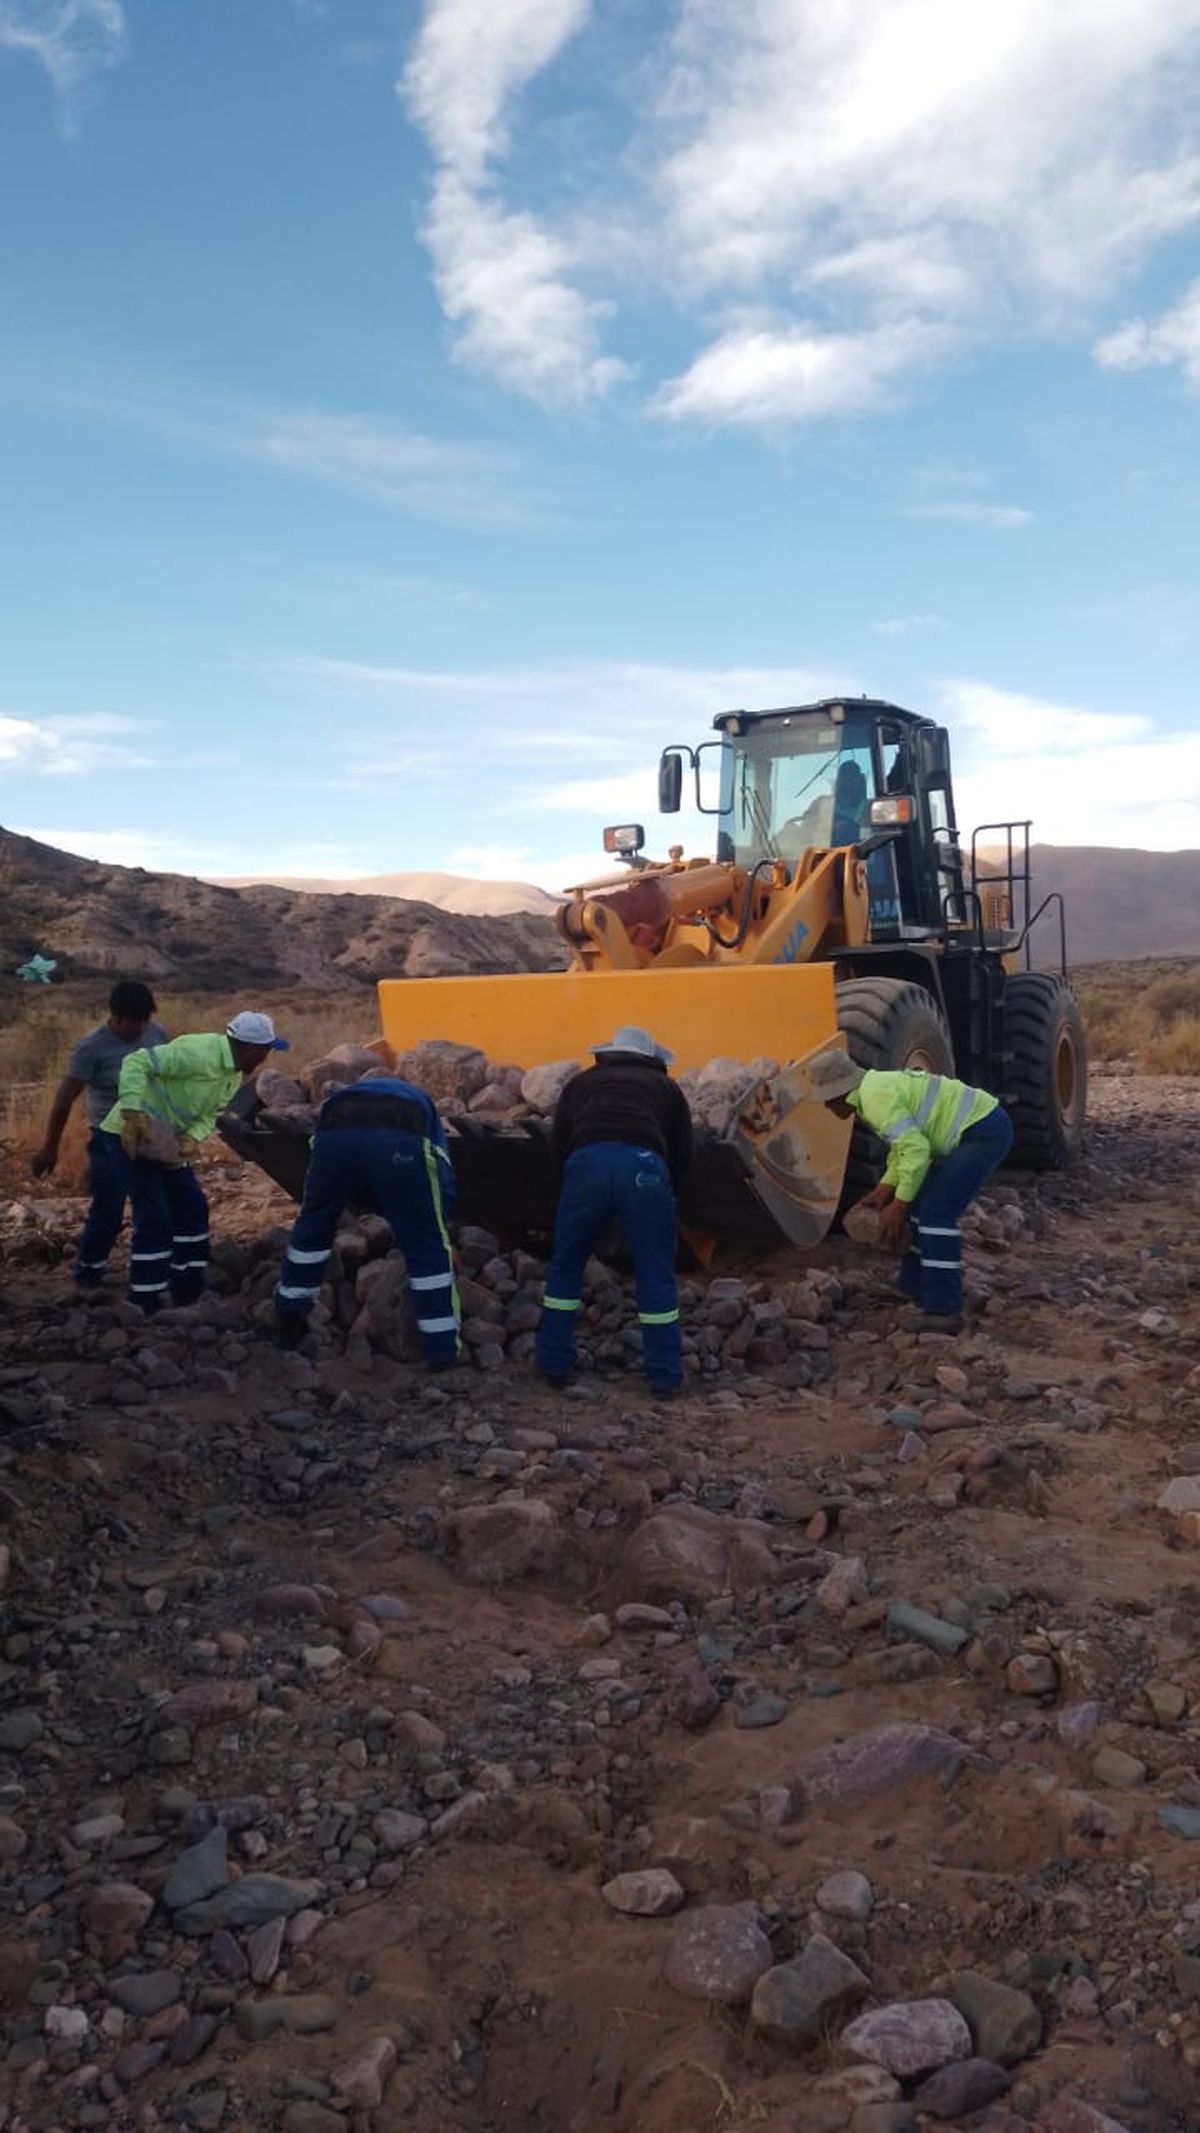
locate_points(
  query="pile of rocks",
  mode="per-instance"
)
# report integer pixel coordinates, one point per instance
(463, 1082)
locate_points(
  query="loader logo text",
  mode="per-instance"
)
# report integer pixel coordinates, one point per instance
(790, 951)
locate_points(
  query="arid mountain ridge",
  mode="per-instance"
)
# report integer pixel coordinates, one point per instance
(95, 918)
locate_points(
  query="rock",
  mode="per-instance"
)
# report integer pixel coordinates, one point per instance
(264, 1946)
(19, 1730)
(944, 1637)
(68, 2026)
(288, 1601)
(691, 1699)
(344, 1064)
(307, 2117)
(1180, 1495)
(718, 1952)
(871, 1765)
(1076, 1722)
(650, 1892)
(1072, 2115)
(145, 1992)
(248, 1902)
(636, 1615)
(1004, 2023)
(1112, 1767)
(910, 2037)
(542, 1086)
(397, 1831)
(418, 1732)
(847, 1895)
(198, 1872)
(300, 2014)
(1167, 1701)
(208, 1703)
(685, 1553)
(956, 2091)
(113, 1914)
(451, 1073)
(192, 2037)
(501, 1543)
(136, 2061)
(843, 1587)
(97, 1830)
(363, 2079)
(761, 1711)
(1031, 1674)
(13, 1840)
(1180, 1821)
(796, 2003)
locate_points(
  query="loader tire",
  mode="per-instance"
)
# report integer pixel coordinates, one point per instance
(1046, 1079)
(888, 1023)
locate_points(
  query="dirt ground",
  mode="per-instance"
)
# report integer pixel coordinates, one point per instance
(375, 1629)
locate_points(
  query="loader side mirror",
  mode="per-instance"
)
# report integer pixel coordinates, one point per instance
(933, 753)
(670, 782)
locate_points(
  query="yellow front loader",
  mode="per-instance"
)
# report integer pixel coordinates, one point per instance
(838, 900)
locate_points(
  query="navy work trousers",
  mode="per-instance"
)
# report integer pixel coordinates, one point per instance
(931, 1270)
(105, 1215)
(169, 1252)
(604, 1182)
(404, 1178)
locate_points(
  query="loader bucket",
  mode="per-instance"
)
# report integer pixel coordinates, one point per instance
(779, 1170)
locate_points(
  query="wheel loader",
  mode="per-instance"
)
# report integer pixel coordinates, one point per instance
(838, 898)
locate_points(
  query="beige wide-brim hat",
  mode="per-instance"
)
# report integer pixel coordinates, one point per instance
(832, 1074)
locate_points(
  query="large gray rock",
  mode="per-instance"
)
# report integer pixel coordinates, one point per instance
(501, 1543)
(451, 1073)
(248, 1902)
(198, 1872)
(686, 1553)
(796, 2003)
(542, 1086)
(870, 1765)
(1005, 2023)
(145, 1992)
(718, 1952)
(956, 2091)
(910, 2037)
(647, 1892)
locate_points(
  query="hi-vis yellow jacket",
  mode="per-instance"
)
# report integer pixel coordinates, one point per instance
(921, 1117)
(186, 1084)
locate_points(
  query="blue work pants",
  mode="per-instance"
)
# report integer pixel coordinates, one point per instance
(404, 1178)
(931, 1270)
(168, 1252)
(604, 1182)
(105, 1215)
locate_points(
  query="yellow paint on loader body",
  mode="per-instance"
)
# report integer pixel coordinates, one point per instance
(759, 1011)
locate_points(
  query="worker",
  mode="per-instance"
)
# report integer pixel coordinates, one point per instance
(850, 804)
(943, 1140)
(622, 1142)
(93, 1071)
(168, 1101)
(380, 1143)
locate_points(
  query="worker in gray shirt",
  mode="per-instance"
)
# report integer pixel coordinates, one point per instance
(93, 1072)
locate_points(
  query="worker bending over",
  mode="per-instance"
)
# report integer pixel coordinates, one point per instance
(168, 1100)
(943, 1140)
(380, 1144)
(622, 1139)
(94, 1072)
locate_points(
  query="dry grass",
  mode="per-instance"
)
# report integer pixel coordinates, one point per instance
(1147, 1013)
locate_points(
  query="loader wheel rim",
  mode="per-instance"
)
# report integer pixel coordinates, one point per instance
(1066, 1074)
(922, 1061)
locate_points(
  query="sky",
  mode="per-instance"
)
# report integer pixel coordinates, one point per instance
(412, 417)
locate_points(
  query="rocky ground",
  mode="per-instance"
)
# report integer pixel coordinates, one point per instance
(818, 1752)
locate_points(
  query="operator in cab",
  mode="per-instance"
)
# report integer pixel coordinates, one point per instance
(622, 1142)
(943, 1140)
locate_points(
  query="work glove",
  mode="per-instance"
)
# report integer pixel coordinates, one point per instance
(132, 1126)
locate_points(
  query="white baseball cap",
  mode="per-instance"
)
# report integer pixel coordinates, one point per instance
(637, 1041)
(249, 1028)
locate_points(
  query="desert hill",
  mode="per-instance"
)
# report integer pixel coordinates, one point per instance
(95, 918)
(1120, 904)
(449, 892)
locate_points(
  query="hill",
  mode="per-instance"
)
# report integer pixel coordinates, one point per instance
(1120, 904)
(449, 892)
(171, 929)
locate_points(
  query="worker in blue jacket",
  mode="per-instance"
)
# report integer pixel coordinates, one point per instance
(378, 1143)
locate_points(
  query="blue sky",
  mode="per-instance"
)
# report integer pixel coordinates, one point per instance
(411, 417)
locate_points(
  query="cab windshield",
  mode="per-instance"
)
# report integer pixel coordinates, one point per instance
(792, 784)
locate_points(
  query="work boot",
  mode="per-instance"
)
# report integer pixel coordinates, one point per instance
(289, 1329)
(557, 1380)
(947, 1323)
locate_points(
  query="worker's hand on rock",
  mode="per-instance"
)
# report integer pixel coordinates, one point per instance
(881, 1197)
(893, 1224)
(43, 1162)
(132, 1127)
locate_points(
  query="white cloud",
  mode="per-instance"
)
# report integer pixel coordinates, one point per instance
(505, 280)
(905, 625)
(72, 39)
(72, 746)
(1084, 776)
(763, 375)
(173, 852)
(1171, 338)
(998, 518)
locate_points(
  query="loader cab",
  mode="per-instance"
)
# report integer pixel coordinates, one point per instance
(841, 772)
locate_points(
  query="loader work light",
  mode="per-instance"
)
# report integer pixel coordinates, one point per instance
(624, 838)
(887, 814)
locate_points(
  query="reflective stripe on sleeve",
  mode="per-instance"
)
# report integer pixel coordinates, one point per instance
(932, 1091)
(969, 1099)
(902, 1126)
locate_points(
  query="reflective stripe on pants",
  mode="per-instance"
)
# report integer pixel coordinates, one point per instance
(169, 1247)
(931, 1270)
(607, 1181)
